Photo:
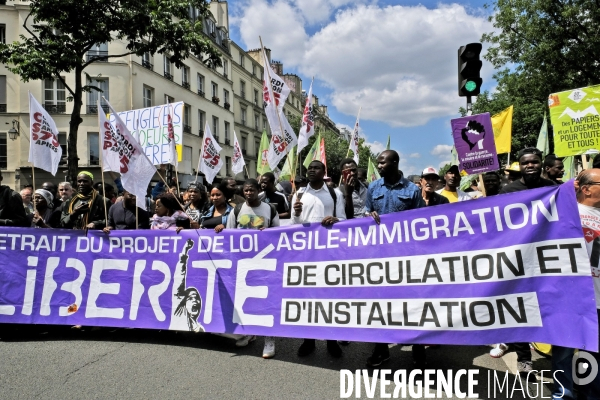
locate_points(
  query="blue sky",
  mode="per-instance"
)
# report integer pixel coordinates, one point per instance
(395, 59)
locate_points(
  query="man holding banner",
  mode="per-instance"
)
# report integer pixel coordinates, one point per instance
(389, 194)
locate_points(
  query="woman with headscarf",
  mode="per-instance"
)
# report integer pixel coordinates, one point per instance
(197, 204)
(42, 215)
(216, 216)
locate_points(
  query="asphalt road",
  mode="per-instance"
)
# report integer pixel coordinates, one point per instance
(58, 363)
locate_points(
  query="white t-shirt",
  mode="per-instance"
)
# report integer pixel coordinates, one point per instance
(590, 222)
(318, 204)
(253, 217)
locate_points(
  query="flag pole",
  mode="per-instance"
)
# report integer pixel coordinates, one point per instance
(102, 168)
(274, 102)
(352, 137)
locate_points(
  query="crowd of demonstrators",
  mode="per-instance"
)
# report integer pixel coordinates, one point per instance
(318, 202)
(126, 215)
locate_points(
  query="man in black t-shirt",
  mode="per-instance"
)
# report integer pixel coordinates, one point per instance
(530, 164)
(271, 195)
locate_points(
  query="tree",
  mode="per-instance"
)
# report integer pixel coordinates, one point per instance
(539, 47)
(64, 31)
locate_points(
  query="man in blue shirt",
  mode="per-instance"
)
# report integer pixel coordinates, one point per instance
(392, 193)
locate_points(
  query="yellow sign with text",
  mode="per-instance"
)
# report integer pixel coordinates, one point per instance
(575, 119)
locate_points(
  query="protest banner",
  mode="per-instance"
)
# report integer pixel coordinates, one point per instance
(150, 126)
(474, 142)
(508, 268)
(575, 120)
(44, 150)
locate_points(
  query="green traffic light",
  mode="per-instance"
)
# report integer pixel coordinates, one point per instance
(470, 86)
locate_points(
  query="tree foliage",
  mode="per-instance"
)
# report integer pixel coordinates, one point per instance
(539, 47)
(62, 32)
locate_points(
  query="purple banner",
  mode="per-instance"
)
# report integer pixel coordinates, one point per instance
(509, 268)
(474, 143)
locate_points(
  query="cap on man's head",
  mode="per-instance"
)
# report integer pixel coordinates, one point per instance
(453, 168)
(429, 171)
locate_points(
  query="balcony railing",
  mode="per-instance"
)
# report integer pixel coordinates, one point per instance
(93, 109)
(200, 93)
(186, 85)
(201, 132)
(243, 94)
(227, 142)
(168, 76)
(55, 108)
(187, 128)
(147, 64)
(2, 108)
(97, 55)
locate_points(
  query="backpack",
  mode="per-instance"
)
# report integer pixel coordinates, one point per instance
(334, 196)
(238, 208)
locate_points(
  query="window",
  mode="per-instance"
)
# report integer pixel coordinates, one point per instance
(227, 141)
(98, 52)
(256, 125)
(215, 128)
(200, 80)
(243, 89)
(255, 97)
(169, 99)
(201, 122)
(148, 96)
(244, 113)
(264, 124)
(168, 68)
(226, 98)
(242, 59)
(257, 148)
(54, 96)
(225, 68)
(3, 151)
(254, 69)
(215, 90)
(94, 95)
(93, 148)
(185, 77)
(187, 124)
(227, 165)
(2, 93)
(147, 60)
(186, 160)
(62, 141)
(244, 144)
(2, 33)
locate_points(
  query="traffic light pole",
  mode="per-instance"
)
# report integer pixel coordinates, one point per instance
(469, 106)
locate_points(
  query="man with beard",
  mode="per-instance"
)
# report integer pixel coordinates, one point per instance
(451, 190)
(392, 193)
(86, 210)
(554, 169)
(530, 166)
(429, 180)
(355, 192)
(318, 203)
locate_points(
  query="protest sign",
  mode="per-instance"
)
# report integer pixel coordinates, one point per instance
(150, 126)
(575, 120)
(508, 268)
(474, 143)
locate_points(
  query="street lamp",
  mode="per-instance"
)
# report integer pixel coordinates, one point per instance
(12, 132)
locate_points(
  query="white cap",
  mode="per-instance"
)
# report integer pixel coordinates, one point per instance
(429, 171)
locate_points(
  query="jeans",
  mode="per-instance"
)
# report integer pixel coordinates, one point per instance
(562, 358)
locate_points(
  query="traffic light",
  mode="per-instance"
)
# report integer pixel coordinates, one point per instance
(469, 68)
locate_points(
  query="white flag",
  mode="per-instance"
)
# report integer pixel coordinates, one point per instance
(44, 150)
(308, 121)
(275, 92)
(237, 162)
(123, 154)
(354, 142)
(173, 157)
(210, 161)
